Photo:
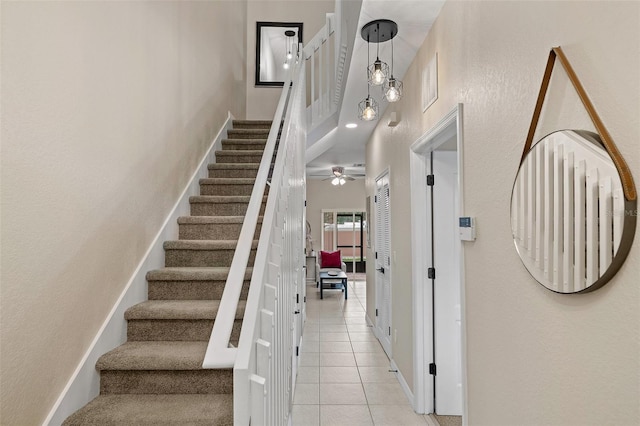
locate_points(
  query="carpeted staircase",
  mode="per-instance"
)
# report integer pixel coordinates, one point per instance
(156, 377)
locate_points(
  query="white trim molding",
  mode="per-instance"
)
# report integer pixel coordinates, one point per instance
(450, 125)
(403, 383)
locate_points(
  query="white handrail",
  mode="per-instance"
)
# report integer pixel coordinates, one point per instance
(263, 367)
(219, 354)
(263, 362)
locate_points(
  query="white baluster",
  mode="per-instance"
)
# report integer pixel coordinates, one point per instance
(558, 217)
(579, 225)
(568, 225)
(592, 227)
(606, 223)
(618, 217)
(548, 214)
(531, 194)
(539, 220)
(258, 401)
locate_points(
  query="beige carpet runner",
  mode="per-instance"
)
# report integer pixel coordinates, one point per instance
(155, 377)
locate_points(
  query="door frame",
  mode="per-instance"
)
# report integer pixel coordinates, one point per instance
(450, 125)
(388, 348)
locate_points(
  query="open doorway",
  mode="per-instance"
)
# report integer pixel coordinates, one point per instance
(438, 274)
(346, 230)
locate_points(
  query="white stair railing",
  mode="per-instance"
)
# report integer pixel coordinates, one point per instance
(325, 56)
(263, 372)
(263, 361)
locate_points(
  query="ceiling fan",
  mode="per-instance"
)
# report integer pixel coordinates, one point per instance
(339, 177)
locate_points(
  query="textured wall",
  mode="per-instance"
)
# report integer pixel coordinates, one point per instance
(107, 108)
(263, 100)
(533, 357)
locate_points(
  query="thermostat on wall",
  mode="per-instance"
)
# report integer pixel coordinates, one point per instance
(467, 228)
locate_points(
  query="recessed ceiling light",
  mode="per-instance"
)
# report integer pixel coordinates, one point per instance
(351, 125)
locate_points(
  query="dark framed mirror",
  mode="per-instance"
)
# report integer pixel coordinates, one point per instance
(276, 50)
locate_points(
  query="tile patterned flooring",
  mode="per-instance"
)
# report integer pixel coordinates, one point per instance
(344, 377)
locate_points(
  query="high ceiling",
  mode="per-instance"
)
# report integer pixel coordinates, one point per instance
(346, 147)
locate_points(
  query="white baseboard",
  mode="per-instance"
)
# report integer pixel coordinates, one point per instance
(403, 384)
(431, 420)
(369, 322)
(84, 384)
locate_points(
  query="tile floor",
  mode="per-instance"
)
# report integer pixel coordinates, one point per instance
(344, 377)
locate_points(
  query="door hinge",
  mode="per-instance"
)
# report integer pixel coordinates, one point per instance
(305, 203)
(297, 298)
(431, 273)
(389, 331)
(430, 179)
(375, 198)
(376, 255)
(304, 299)
(376, 311)
(432, 369)
(388, 192)
(297, 350)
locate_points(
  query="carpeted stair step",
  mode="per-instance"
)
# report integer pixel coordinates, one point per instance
(154, 410)
(156, 377)
(162, 368)
(227, 186)
(238, 156)
(175, 320)
(226, 205)
(233, 170)
(203, 252)
(213, 227)
(244, 144)
(252, 124)
(248, 133)
(192, 283)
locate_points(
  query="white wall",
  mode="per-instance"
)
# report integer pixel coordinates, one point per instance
(534, 357)
(107, 107)
(323, 195)
(263, 100)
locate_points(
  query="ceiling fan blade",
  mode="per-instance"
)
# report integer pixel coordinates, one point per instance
(348, 177)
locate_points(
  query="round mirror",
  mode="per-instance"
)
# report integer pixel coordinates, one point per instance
(571, 223)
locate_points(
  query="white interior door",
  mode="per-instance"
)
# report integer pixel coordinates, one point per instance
(446, 290)
(383, 263)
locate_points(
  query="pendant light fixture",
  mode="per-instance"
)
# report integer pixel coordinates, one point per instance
(288, 47)
(368, 108)
(392, 87)
(378, 71)
(379, 31)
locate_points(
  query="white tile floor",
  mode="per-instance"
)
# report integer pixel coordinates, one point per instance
(344, 377)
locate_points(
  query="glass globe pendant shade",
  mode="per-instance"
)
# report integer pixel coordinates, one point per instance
(378, 72)
(393, 90)
(342, 181)
(368, 109)
(335, 181)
